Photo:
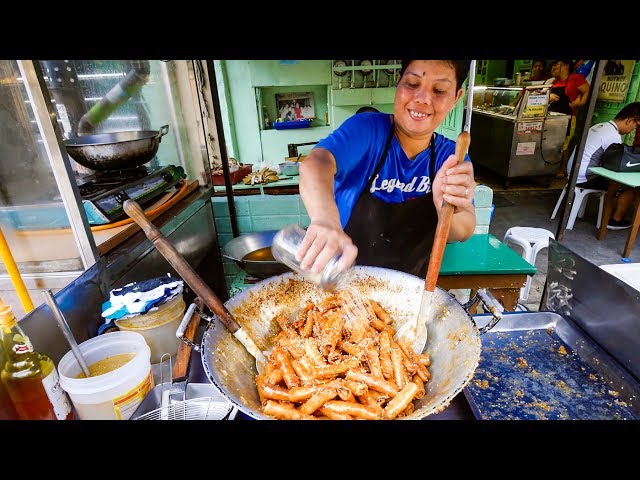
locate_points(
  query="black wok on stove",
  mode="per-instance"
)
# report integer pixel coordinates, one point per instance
(116, 150)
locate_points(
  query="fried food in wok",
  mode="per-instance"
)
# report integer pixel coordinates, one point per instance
(338, 360)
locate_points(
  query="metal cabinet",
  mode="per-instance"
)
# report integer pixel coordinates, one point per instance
(513, 133)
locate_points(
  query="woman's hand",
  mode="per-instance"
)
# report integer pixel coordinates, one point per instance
(322, 242)
(553, 97)
(454, 183)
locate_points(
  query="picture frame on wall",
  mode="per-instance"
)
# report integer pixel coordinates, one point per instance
(295, 106)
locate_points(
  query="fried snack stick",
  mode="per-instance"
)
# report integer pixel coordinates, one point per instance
(284, 412)
(373, 360)
(312, 352)
(285, 326)
(307, 328)
(398, 403)
(301, 318)
(356, 410)
(415, 360)
(352, 349)
(331, 371)
(357, 388)
(333, 415)
(268, 391)
(302, 371)
(317, 400)
(385, 355)
(282, 360)
(418, 381)
(425, 359)
(366, 398)
(380, 312)
(399, 372)
(332, 330)
(380, 326)
(374, 383)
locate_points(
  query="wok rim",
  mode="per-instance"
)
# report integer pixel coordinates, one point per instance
(82, 141)
(367, 270)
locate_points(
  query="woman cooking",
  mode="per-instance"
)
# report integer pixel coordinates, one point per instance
(375, 186)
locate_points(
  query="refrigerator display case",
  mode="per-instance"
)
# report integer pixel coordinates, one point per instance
(514, 134)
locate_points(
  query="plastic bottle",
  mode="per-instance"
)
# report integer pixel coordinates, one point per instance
(7, 410)
(284, 247)
(29, 377)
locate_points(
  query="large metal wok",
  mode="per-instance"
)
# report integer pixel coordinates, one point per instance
(237, 248)
(454, 342)
(116, 150)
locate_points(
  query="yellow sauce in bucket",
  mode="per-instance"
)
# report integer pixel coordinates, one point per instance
(107, 364)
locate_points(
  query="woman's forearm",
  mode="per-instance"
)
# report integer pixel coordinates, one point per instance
(316, 187)
(462, 226)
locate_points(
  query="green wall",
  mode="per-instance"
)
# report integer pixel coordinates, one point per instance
(246, 86)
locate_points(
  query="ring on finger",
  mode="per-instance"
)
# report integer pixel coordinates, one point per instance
(466, 191)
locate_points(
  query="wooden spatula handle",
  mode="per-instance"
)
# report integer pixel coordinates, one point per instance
(444, 223)
(181, 365)
(178, 262)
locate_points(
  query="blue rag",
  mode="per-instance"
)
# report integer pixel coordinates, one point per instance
(140, 297)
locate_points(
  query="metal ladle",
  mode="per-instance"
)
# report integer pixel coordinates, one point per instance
(64, 326)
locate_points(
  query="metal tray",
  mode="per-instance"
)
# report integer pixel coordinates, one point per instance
(541, 366)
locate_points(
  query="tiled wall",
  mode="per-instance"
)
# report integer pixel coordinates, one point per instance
(256, 213)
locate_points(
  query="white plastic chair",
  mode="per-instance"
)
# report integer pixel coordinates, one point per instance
(532, 240)
(580, 204)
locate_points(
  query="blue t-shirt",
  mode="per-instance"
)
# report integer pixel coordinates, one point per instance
(357, 146)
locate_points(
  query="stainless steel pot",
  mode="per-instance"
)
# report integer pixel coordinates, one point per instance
(116, 150)
(454, 339)
(240, 246)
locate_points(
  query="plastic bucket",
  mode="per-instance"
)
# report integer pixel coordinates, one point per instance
(114, 395)
(158, 327)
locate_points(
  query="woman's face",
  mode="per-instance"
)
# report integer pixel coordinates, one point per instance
(425, 95)
(538, 69)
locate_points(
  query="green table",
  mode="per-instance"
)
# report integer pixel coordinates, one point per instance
(631, 179)
(483, 261)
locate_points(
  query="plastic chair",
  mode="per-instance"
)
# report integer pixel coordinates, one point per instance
(532, 240)
(580, 204)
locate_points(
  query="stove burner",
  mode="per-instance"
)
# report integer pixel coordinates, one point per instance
(103, 181)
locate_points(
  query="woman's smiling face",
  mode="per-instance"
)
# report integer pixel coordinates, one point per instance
(425, 95)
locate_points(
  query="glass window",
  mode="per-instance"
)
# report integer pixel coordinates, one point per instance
(32, 216)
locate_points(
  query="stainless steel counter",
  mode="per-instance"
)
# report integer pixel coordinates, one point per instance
(188, 225)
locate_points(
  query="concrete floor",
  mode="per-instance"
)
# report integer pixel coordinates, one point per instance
(532, 207)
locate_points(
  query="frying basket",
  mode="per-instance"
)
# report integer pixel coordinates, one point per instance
(206, 408)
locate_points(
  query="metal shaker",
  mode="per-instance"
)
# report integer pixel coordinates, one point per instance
(284, 247)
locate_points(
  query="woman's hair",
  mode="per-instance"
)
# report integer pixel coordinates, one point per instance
(571, 64)
(367, 108)
(460, 66)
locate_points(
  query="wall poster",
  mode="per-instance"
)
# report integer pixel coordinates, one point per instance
(615, 80)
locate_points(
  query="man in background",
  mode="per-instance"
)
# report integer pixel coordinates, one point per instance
(599, 137)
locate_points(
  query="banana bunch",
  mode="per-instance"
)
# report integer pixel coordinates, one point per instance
(264, 175)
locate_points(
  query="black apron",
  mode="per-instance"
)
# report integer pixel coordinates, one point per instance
(398, 236)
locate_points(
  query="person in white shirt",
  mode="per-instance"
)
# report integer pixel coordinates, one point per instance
(599, 137)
